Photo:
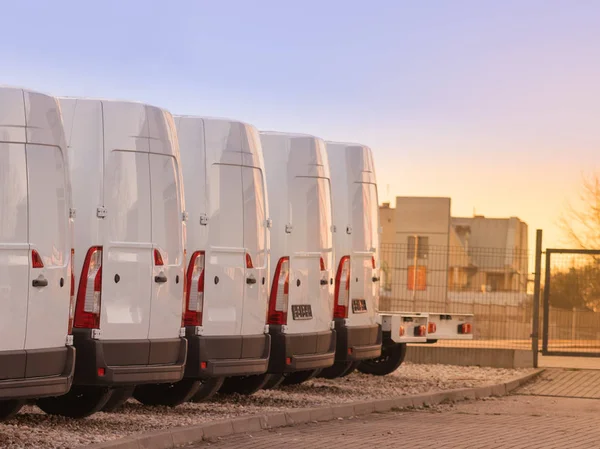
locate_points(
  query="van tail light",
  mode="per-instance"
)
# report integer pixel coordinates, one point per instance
(36, 260)
(89, 295)
(249, 263)
(194, 301)
(322, 264)
(158, 260)
(373, 262)
(342, 289)
(431, 327)
(465, 328)
(420, 331)
(278, 302)
(72, 298)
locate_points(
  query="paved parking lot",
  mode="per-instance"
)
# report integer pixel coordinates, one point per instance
(518, 421)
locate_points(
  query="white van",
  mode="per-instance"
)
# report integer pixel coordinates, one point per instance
(356, 246)
(129, 254)
(36, 286)
(228, 255)
(301, 301)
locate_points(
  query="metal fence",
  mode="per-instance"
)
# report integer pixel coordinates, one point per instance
(494, 284)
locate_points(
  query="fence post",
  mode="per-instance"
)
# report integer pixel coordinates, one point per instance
(536, 297)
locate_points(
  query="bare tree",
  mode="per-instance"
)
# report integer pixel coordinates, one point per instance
(581, 224)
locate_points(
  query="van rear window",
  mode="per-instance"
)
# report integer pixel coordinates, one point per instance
(13, 193)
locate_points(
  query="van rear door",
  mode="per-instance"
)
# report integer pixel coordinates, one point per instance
(15, 257)
(255, 243)
(127, 257)
(49, 286)
(168, 277)
(224, 280)
(364, 291)
(311, 242)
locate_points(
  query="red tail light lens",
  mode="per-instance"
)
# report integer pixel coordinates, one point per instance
(249, 263)
(322, 264)
(72, 299)
(431, 328)
(158, 260)
(36, 260)
(465, 328)
(194, 301)
(373, 262)
(278, 302)
(342, 289)
(89, 295)
(420, 331)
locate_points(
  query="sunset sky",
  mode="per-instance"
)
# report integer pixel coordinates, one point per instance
(494, 104)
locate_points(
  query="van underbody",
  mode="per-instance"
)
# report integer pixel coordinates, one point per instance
(300, 352)
(357, 342)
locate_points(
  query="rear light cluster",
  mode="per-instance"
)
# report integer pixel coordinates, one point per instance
(431, 327)
(420, 331)
(89, 295)
(342, 289)
(278, 302)
(465, 328)
(194, 301)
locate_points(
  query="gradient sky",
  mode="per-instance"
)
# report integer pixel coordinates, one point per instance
(494, 104)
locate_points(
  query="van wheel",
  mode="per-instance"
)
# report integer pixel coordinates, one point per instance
(245, 385)
(170, 395)
(274, 381)
(392, 356)
(351, 369)
(300, 377)
(118, 398)
(10, 408)
(79, 402)
(208, 388)
(338, 369)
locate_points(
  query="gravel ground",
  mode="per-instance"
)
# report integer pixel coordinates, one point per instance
(34, 429)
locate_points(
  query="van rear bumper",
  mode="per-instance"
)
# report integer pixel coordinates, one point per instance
(36, 373)
(127, 362)
(357, 342)
(300, 352)
(226, 355)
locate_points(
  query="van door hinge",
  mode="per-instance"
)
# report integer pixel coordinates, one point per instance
(348, 229)
(203, 220)
(288, 228)
(269, 223)
(101, 212)
(72, 213)
(185, 216)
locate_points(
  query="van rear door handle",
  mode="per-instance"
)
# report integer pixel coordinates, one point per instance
(40, 282)
(375, 279)
(324, 282)
(160, 279)
(250, 280)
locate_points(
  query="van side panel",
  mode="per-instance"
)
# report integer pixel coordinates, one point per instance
(127, 257)
(47, 314)
(14, 245)
(167, 236)
(255, 242)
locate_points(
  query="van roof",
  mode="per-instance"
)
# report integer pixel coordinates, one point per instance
(204, 117)
(27, 116)
(279, 133)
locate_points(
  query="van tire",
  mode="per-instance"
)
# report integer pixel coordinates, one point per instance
(10, 408)
(170, 395)
(274, 381)
(245, 385)
(338, 369)
(299, 377)
(351, 369)
(119, 397)
(79, 402)
(392, 356)
(208, 388)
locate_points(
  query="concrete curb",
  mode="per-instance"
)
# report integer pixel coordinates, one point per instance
(179, 436)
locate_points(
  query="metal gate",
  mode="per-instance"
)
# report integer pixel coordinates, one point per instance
(571, 303)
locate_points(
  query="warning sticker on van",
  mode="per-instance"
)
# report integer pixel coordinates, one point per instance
(359, 305)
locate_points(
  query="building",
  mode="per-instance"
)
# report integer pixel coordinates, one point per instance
(428, 256)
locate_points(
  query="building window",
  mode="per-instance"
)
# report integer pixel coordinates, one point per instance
(417, 278)
(418, 245)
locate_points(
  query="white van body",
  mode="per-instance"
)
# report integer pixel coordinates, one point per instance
(223, 174)
(125, 172)
(36, 356)
(356, 220)
(299, 189)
